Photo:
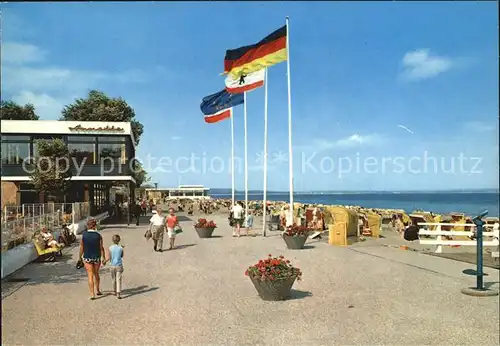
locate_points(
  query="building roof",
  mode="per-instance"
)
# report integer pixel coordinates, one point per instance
(60, 127)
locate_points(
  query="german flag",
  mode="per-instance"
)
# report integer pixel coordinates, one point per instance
(244, 60)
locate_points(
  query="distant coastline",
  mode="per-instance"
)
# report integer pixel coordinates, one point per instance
(442, 202)
(333, 192)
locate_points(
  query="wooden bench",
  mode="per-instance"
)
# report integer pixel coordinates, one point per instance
(45, 254)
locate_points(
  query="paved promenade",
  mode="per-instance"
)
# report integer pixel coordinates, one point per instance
(198, 295)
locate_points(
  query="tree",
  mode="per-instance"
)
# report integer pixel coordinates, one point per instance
(99, 107)
(140, 174)
(9, 110)
(52, 171)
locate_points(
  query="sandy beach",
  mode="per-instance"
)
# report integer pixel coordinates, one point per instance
(389, 238)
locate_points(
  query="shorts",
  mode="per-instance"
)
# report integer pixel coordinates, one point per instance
(238, 222)
(171, 232)
(92, 260)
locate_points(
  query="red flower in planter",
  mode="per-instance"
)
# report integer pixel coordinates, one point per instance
(297, 230)
(273, 268)
(204, 223)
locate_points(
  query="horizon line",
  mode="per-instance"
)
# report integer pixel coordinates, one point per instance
(493, 190)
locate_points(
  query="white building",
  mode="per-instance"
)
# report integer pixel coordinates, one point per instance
(182, 191)
(101, 155)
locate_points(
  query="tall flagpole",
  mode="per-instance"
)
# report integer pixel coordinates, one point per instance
(232, 157)
(290, 152)
(265, 156)
(246, 153)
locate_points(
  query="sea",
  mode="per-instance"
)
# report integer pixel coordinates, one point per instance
(470, 203)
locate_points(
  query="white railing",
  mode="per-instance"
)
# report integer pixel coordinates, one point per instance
(19, 230)
(16, 212)
(490, 238)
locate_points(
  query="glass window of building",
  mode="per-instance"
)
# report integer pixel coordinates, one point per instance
(14, 153)
(115, 139)
(83, 153)
(15, 138)
(78, 139)
(112, 152)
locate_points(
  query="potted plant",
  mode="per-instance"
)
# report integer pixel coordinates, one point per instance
(273, 278)
(205, 228)
(295, 236)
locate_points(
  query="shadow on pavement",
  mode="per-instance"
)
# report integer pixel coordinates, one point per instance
(129, 292)
(179, 247)
(307, 247)
(183, 246)
(489, 285)
(62, 271)
(297, 294)
(183, 218)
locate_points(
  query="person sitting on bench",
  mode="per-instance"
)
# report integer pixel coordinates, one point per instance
(49, 239)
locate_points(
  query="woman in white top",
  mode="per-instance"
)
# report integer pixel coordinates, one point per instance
(157, 229)
(238, 217)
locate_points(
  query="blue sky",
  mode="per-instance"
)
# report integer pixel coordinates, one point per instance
(372, 84)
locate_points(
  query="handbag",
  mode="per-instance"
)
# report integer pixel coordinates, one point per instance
(148, 233)
(79, 264)
(177, 229)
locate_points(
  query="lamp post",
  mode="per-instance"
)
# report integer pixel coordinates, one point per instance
(156, 193)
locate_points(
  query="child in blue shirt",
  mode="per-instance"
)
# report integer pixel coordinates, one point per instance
(115, 257)
(249, 223)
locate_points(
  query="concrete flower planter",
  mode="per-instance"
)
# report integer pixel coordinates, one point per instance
(205, 232)
(274, 290)
(295, 242)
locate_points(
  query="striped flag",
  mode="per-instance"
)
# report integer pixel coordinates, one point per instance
(219, 106)
(269, 51)
(245, 83)
(219, 116)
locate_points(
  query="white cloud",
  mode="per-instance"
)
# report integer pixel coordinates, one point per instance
(347, 142)
(420, 64)
(479, 126)
(20, 53)
(48, 87)
(46, 107)
(15, 78)
(176, 138)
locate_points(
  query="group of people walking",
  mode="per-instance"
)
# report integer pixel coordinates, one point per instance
(93, 255)
(158, 223)
(238, 219)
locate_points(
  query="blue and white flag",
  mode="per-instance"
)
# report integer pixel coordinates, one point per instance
(217, 102)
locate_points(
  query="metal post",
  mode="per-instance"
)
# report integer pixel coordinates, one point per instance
(479, 290)
(129, 204)
(479, 249)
